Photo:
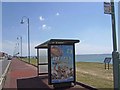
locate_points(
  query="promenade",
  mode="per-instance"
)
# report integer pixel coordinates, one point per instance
(23, 75)
(4, 65)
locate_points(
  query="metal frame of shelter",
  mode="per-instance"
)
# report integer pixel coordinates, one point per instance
(47, 45)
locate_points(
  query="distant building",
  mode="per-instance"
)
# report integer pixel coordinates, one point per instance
(2, 54)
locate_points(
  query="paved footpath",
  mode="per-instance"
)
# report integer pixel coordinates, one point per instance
(23, 75)
(18, 70)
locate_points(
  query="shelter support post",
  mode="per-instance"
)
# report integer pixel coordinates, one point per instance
(38, 62)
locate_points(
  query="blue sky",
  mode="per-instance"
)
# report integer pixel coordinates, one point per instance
(85, 21)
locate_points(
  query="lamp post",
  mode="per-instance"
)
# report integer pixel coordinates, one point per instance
(24, 18)
(17, 46)
(20, 43)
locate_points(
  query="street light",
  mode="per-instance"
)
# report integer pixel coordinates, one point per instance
(24, 18)
(17, 46)
(20, 43)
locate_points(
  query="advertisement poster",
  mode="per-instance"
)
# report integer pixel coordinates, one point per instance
(62, 64)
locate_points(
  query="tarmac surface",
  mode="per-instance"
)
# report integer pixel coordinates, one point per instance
(3, 64)
(24, 76)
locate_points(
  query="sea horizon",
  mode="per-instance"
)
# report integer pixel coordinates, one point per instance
(85, 58)
(92, 57)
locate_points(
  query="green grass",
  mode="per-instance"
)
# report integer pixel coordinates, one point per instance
(32, 61)
(92, 74)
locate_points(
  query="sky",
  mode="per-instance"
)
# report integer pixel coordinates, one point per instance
(84, 21)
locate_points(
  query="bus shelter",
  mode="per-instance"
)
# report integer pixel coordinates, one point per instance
(60, 64)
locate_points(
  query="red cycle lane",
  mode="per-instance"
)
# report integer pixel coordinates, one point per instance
(24, 75)
(18, 70)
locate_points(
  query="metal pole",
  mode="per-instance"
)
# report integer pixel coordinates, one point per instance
(113, 26)
(21, 46)
(17, 45)
(119, 42)
(28, 36)
(28, 42)
(115, 54)
(38, 62)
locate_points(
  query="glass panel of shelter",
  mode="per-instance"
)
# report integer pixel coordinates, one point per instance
(43, 61)
(43, 56)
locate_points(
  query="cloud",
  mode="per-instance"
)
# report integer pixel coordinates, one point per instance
(8, 46)
(0, 39)
(87, 48)
(0, 46)
(45, 27)
(57, 14)
(41, 18)
(11, 48)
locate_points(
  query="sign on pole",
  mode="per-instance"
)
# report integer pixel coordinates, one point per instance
(107, 8)
(119, 27)
(119, 40)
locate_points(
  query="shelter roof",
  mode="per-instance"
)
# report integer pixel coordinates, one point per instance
(56, 41)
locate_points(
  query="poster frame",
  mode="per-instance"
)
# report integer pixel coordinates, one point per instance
(49, 65)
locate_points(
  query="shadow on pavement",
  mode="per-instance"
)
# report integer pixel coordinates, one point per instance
(41, 82)
(34, 82)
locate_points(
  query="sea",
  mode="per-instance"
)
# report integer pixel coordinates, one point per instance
(92, 58)
(78, 58)
(85, 58)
